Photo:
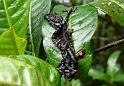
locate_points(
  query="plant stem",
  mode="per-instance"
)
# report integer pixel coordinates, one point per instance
(108, 46)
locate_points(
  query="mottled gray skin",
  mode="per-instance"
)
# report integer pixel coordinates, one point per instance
(60, 38)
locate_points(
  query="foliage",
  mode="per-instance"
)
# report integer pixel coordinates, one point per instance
(113, 72)
(38, 8)
(113, 8)
(23, 30)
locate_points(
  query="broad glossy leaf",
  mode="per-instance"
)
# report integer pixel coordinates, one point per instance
(114, 8)
(53, 53)
(11, 44)
(112, 67)
(83, 22)
(119, 78)
(38, 8)
(47, 70)
(14, 72)
(13, 23)
(96, 74)
(14, 14)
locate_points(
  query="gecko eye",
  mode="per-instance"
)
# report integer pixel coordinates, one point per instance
(54, 19)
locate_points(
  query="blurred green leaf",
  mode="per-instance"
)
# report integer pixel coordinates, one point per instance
(85, 63)
(11, 44)
(86, 1)
(14, 72)
(38, 8)
(112, 67)
(104, 85)
(47, 70)
(75, 82)
(114, 8)
(62, 81)
(119, 78)
(14, 14)
(96, 74)
(83, 22)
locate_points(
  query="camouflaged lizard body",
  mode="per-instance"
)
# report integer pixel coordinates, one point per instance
(60, 38)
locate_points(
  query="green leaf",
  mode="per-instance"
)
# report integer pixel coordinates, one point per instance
(11, 44)
(84, 65)
(85, 62)
(53, 54)
(119, 78)
(59, 10)
(112, 66)
(47, 70)
(14, 14)
(86, 1)
(114, 8)
(96, 74)
(104, 85)
(14, 72)
(38, 8)
(83, 22)
(75, 82)
(13, 23)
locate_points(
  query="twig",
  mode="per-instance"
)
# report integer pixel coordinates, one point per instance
(109, 46)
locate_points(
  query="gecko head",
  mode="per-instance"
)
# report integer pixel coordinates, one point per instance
(54, 20)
